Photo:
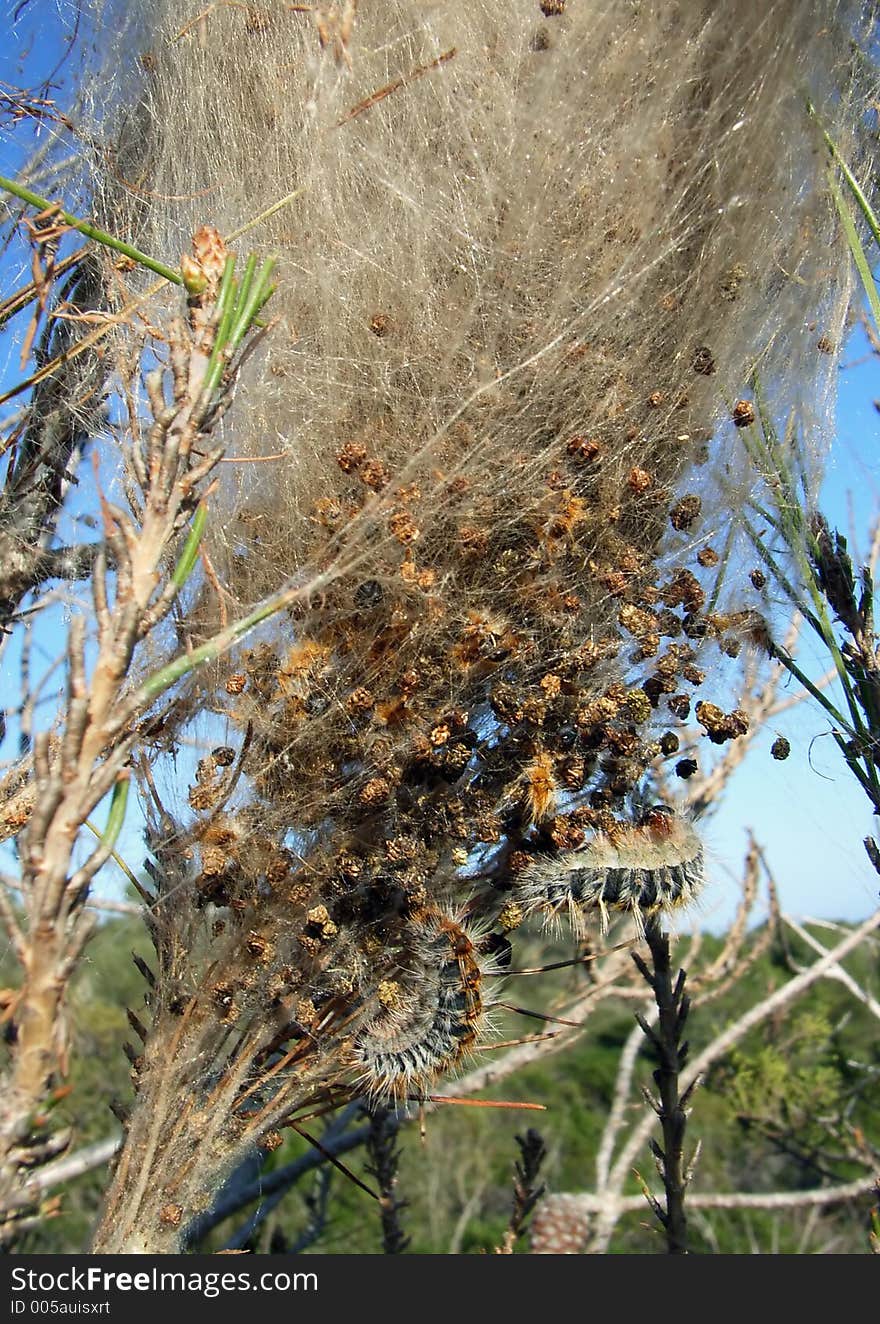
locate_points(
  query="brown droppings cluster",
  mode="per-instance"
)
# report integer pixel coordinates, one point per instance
(352, 454)
(639, 480)
(374, 475)
(171, 1215)
(381, 324)
(374, 793)
(743, 413)
(684, 514)
(703, 361)
(583, 448)
(684, 590)
(721, 726)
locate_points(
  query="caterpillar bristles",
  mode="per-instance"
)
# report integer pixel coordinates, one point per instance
(650, 867)
(433, 1008)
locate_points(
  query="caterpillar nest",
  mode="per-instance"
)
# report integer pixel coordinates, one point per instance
(647, 868)
(433, 1011)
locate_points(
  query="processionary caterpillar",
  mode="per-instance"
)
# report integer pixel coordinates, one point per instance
(644, 868)
(433, 1015)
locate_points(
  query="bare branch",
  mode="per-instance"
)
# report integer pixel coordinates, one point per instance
(835, 971)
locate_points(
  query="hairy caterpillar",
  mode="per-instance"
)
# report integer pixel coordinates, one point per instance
(653, 865)
(433, 1015)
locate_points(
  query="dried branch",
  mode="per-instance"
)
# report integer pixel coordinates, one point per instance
(382, 1163)
(622, 1090)
(671, 1050)
(46, 447)
(73, 773)
(74, 1165)
(835, 971)
(526, 1191)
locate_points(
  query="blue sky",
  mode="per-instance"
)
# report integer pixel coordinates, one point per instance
(807, 813)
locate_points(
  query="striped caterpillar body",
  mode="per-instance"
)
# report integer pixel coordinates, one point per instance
(432, 1017)
(652, 866)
